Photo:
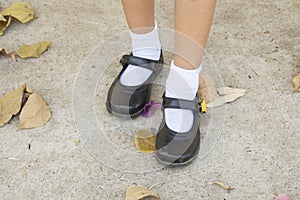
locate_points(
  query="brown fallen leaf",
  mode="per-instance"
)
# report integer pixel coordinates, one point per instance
(27, 92)
(2, 18)
(145, 141)
(223, 185)
(207, 89)
(33, 51)
(228, 95)
(139, 192)
(35, 112)
(296, 82)
(4, 23)
(28, 89)
(9, 54)
(229, 90)
(21, 11)
(10, 105)
(223, 99)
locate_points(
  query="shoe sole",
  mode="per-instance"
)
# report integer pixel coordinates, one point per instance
(125, 116)
(174, 165)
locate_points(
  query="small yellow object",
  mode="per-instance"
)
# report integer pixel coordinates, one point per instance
(223, 185)
(203, 106)
(145, 141)
(77, 141)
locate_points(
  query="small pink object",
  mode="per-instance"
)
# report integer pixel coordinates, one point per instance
(282, 197)
(150, 107)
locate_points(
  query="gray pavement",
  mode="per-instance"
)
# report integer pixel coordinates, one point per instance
(254, 45)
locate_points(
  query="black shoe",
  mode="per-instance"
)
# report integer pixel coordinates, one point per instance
(129, 101)
(178, 149)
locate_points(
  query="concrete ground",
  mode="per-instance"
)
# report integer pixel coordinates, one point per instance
(254, 44)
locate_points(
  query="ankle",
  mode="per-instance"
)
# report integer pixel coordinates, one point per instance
(182, 83)
(146, 45)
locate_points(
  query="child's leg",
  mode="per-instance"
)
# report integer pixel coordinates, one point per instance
(193, 19)
(139, 15)
(144, 37)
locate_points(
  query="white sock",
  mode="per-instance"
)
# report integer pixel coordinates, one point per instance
(181, 84)
(144, 46)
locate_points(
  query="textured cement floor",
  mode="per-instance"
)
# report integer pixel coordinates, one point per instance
(253, 44)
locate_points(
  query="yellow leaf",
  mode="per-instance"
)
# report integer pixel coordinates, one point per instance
(139, 192)
(145, 141)
(4, 23)
(10, 104)
(9, 54)
(228, 95)
(223, 185)
(296, 82)
(35, 112)
(33, 51)
(21, 11)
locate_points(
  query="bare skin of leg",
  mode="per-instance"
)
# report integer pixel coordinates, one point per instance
(193, 20)
(139, 15)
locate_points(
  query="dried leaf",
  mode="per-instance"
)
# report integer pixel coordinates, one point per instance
(9, 54)
(206, 81)
(145, 141)
(228, 95)
(296, 82)
(35, 112)
(28, 89)
(27, 92)
(10, 104)
(4, 23)
(2, 18)
(230, 90)
(33, 51)
(21, 11)
(223, 99)
(207, 89)
(139, 192)
(223, 185)
(282, 197)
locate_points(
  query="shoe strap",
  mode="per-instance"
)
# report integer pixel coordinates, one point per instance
(180, 103)
(140, 62)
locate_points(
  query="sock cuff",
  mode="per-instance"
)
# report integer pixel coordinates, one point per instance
(185, 71)
(182, 83)
(144, 35)
(146, 45)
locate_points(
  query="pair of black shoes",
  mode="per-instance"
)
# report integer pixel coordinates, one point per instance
(172, 148)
